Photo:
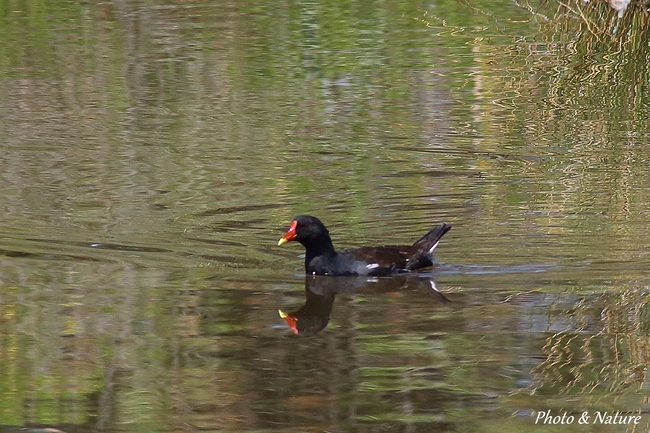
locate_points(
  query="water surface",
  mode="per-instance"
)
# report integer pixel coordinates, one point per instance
(153, 154)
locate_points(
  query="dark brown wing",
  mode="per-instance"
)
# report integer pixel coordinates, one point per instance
(386, 256)
(403, 257)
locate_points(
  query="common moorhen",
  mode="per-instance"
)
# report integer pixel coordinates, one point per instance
(322, 259)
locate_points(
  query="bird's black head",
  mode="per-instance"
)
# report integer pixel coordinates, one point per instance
(307, 230)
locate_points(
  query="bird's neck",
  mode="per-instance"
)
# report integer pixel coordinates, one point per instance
(321, 247)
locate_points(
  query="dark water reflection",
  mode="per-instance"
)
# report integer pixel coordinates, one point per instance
(152, 155)
(320, 293)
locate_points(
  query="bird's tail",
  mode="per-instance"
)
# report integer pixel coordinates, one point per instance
(423, 248)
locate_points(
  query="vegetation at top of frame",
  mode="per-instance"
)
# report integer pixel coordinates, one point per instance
(604, 44)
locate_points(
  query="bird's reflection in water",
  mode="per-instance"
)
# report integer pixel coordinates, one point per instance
(320, 292)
